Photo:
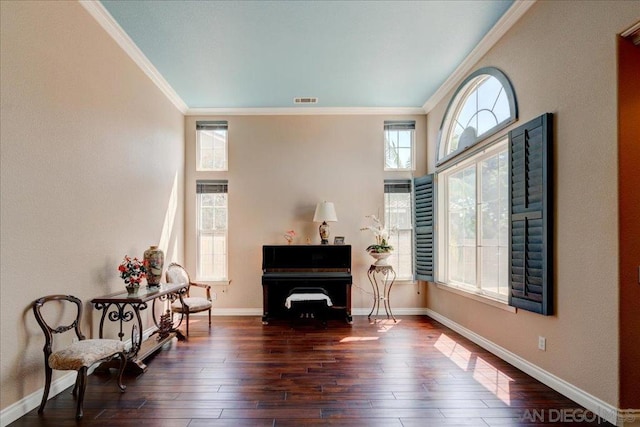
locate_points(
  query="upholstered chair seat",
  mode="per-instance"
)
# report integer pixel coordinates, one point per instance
(192, 304)
(84, 353)
(78, 356)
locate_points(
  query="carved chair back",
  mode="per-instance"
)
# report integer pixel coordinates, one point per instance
(51, 330)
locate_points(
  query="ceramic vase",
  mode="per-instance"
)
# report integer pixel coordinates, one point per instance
(380, 257)
(154, 260)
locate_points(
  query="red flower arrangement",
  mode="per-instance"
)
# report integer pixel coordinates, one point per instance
(132, 270)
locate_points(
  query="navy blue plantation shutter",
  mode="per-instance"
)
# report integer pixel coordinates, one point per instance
(424, 208)
(530, 222)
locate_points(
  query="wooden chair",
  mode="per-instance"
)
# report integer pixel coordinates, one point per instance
(177, 274)
(78, 356)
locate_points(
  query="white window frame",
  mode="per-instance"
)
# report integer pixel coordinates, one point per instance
(216, 130)
(394, 259)
(223, 276)
(412, 148)
(444, 152)
(442, 272)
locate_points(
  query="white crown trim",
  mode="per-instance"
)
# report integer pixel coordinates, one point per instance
(302, 111)
(504, 24)
(106, 21)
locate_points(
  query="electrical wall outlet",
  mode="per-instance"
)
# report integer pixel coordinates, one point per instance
(214, 296)
(542, 343)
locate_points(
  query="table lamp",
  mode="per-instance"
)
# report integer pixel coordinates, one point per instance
(325, 211)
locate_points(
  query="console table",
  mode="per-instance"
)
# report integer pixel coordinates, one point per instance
(124, 307)
(381, 275)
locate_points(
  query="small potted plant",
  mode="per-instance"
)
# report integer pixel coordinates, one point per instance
(289, 235)
(380, 250)
(132, 270)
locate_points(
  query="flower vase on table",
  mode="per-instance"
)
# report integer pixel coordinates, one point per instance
(153, 262)
(381, 250)
(132, 271)
(380, 257)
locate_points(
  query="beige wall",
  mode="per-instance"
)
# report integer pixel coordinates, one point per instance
(91, 170)
(561, 58)
(279, 168)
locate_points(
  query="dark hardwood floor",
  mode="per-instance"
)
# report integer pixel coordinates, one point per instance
(240, 373)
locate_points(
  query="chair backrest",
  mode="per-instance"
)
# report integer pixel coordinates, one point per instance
(50, 330)
(177, 274)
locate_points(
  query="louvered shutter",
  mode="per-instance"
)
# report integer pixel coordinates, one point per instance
(424, 208)
(530, 222)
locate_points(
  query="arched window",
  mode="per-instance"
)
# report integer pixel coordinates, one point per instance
(483, 104)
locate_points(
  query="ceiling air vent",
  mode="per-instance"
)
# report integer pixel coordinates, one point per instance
(305, 100)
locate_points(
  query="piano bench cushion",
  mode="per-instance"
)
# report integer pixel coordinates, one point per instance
(308, 290)
(307, 297)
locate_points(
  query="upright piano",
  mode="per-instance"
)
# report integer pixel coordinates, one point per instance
(285, 267)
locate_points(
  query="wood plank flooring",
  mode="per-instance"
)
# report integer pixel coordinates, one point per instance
(241, 373)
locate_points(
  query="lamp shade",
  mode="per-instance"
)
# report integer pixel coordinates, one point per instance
(325, 212)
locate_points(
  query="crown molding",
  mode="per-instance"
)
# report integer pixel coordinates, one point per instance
(305, 111)
(504, 24)
(109, 24)
(106, 21)
(633, 33)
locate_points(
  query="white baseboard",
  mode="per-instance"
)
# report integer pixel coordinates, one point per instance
(232, 312)
(354, 311)
(32, 401)
(588, 401)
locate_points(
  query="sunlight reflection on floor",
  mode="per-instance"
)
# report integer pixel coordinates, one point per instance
(385, 325)
(483, 372)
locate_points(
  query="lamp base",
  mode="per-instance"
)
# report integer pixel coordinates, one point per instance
(324, 233)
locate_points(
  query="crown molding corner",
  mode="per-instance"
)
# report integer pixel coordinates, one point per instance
(504, 24)
(109, 24)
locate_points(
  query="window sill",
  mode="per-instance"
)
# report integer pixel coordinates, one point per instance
(215, 282)
(477, 297)
(405, 281)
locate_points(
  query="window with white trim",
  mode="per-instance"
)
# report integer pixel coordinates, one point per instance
(483, 105)
(473, 220)
(472, 187)
(212, 230)
(398, 215)
(399, 146)
(211, 146)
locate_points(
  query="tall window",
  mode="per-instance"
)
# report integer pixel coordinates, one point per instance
(212, 211)
(211, 146)
(473, 190)
(399, 145)
(474, 212)
(398, 214)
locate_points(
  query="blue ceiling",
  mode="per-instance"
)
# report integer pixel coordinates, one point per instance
(262, 54)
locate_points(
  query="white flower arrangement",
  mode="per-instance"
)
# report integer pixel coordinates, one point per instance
(381, 235)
